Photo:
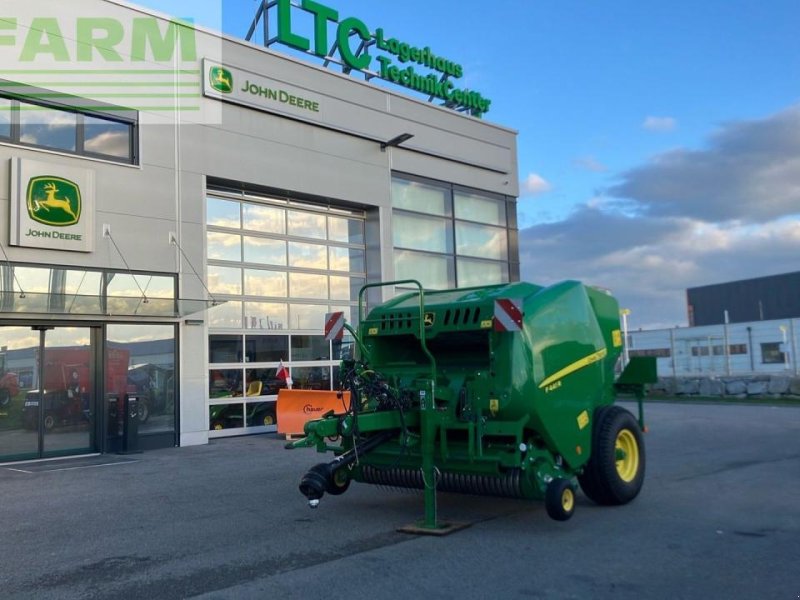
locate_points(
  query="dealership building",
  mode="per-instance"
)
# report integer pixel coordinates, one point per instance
(180, 209)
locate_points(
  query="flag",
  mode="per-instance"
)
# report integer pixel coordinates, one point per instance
(283, 373)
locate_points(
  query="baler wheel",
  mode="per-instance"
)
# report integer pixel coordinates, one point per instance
(615, 472)
(338, 483)
(559, 499)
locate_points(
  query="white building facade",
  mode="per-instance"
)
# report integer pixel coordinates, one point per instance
(180, 210)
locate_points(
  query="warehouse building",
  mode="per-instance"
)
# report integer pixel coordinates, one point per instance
(758, 299)
(180, 209)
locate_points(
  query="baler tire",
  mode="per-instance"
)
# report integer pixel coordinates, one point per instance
(606, 480)
(338, 484)
(559, 499)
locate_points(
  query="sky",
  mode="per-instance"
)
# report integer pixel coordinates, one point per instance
(659, 142)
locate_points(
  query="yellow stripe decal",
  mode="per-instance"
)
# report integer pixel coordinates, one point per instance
(577, 365)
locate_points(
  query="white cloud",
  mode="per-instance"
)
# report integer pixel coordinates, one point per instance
(684, 219)
(534, 185)
(750, 171)
(660, 124)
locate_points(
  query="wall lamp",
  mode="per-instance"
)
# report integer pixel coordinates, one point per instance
(396, 141)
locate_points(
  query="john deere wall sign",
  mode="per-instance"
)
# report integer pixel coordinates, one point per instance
(52, 206)
(231, 84)
(396, 60)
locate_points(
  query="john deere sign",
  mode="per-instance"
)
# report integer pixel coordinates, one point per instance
(256, 91)
(52, 206)
(54, 201)
(351, 32)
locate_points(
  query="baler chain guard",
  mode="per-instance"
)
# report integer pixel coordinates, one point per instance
(505, 486)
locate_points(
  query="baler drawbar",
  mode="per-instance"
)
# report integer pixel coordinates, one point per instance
(504, 390)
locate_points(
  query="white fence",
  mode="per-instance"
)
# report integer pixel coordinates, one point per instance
(759, 347)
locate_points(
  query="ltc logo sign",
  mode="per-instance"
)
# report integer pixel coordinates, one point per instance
(221, 79)
(54, 201)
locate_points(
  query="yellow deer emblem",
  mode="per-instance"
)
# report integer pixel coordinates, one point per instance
(221, 80)
(51, 201)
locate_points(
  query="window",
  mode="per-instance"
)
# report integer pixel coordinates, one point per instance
(5, 118)
(771, 353)
(654, 352)
(281, 265)
(60, 128)
(446, 237)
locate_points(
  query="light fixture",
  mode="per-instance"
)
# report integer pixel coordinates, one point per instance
(396, 141)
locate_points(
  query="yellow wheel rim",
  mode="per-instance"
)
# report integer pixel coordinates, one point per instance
(268, 420)
(567, 500)
(628, 464)
(217, 427)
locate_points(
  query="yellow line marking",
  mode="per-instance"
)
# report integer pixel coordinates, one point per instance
(577, 365)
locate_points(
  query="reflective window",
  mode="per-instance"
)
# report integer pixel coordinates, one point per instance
(308, 256)
(293, 251)
(311, 378)
(47, 127)
(268, 377)
(266, 348)
(106, 137)
(304, 285)
(225, 416)
(351, 260)
(260, 414)
(5, 117)
(224, 246)
(223, 213)
(74, 131)
(345, 288)
(310, 347)
(480, 209)
(226, 316)
(265, 315)
(224, 280)
(476, 227)
(148, 352)
(422, 233)
(264, 219)
(306, 224)
(308, 316)
(225, 383)
(431, 270)
(124, 285)
(346, 231)
(481, 241)
(224, 348)
(264, 251)
(420, 197)
(259, 282)
(480, 272)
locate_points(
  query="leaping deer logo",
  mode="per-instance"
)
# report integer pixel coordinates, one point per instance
(51, 201)
(54, 201)
(221, 80)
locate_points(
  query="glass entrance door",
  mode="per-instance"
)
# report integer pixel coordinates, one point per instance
(48, 383)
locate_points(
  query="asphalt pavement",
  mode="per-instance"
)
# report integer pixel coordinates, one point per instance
(718, 517)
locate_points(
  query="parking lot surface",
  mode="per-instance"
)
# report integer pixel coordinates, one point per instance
(718, 517)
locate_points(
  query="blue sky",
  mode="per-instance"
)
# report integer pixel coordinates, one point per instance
(659, 142)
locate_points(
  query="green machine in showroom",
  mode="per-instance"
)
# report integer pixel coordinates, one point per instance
(504, 390)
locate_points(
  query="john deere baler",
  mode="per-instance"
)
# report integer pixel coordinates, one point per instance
(504, 390)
